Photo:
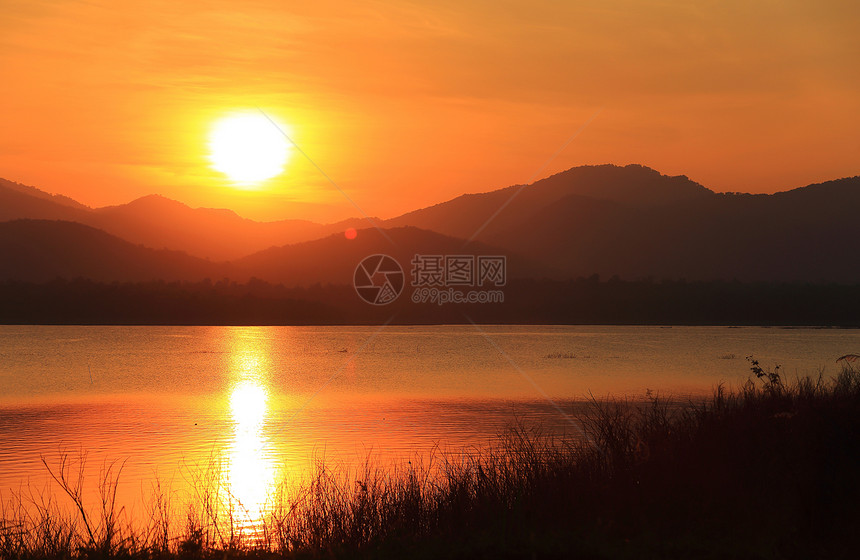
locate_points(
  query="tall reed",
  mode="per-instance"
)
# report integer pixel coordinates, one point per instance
(767, 470)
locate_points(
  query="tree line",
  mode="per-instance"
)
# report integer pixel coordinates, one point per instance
(526, 301)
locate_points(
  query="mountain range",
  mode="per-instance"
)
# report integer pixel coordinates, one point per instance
(159, 222)
(628, 221)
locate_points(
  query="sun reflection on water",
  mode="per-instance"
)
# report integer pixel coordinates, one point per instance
(250, 474)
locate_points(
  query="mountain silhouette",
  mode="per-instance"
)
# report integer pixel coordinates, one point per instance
(22, 202)
(805, 235)
(216, 234)
(485, 214)
(601, 220)
(33, 192)
(159, 222)
(334, 259)
(43, 250)
(631, 222)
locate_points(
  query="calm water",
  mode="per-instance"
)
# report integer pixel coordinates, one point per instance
(263, 402)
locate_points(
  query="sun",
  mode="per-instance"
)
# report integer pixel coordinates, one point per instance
(248, 147)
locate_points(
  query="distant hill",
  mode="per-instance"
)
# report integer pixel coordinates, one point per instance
(19, 201)
(59, 199)
(601, 220)
(633, 186)
(334, 258)
(217, 234)
(799, 236)
(159, 222)
(43, 250)
(629, 221)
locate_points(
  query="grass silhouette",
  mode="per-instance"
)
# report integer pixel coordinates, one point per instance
(765, 471)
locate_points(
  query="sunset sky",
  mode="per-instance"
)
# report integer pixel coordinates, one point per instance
(406, 104)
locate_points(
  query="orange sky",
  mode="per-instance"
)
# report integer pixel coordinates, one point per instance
(405, 104)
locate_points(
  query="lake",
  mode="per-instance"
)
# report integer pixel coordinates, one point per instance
(263, 403)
